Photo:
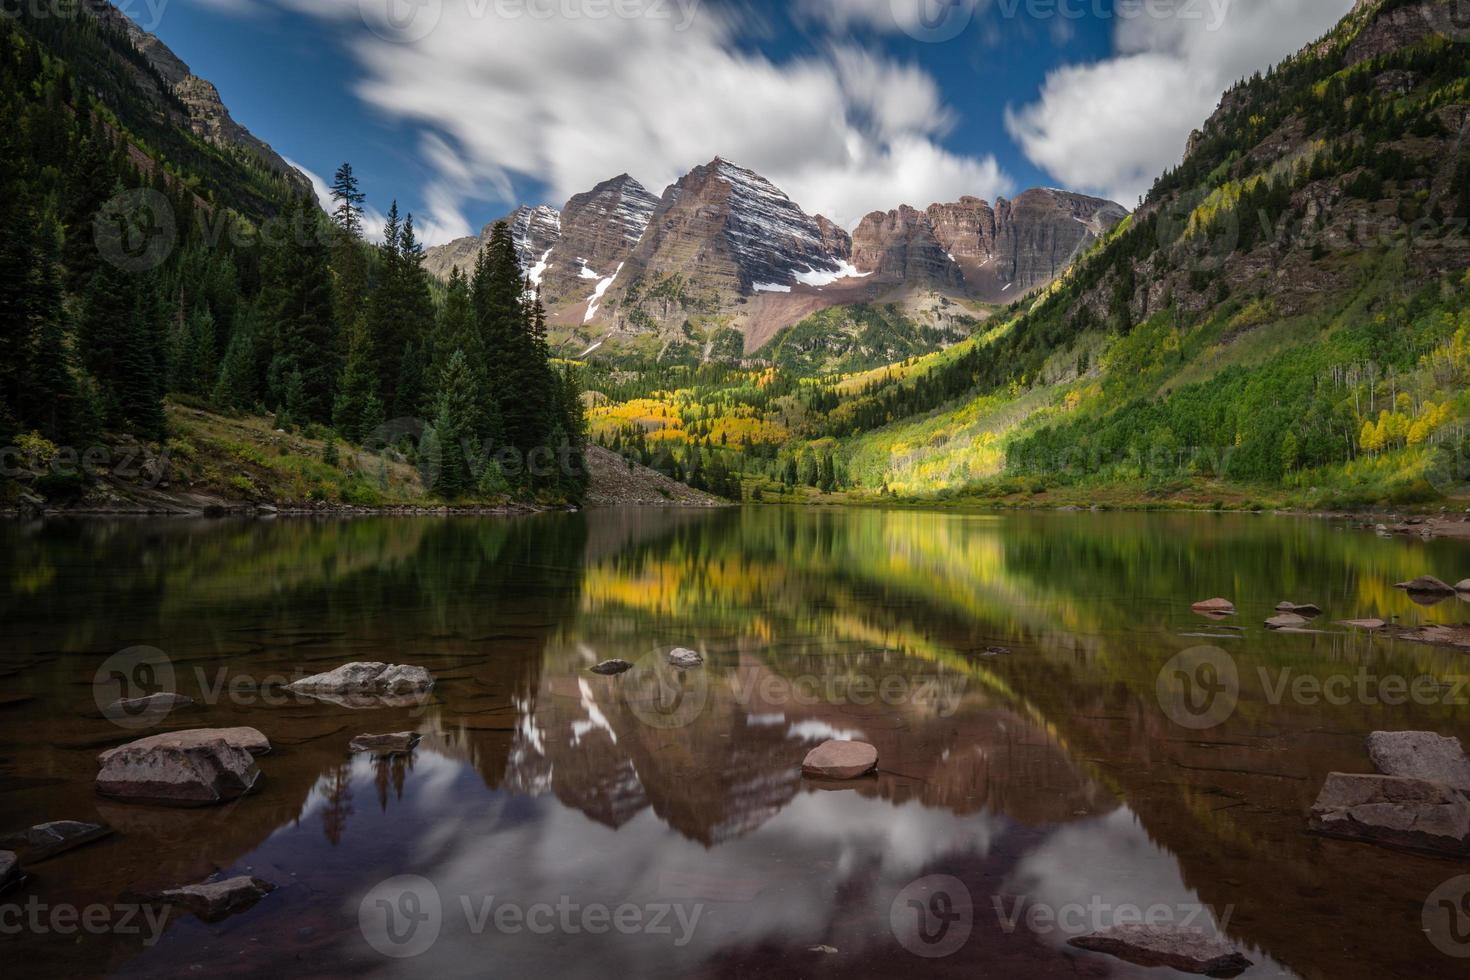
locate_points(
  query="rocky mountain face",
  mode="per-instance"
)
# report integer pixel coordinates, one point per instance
(203, 112)
(996, 254)
(725, 249)
(534, 230)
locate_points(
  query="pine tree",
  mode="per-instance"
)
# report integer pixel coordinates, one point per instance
(296, 297)
(234, 388)
(454, 416)
(357, 409)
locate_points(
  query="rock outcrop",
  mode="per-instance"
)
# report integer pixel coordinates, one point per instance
(47, 840)
(1393, 810)
(366, 684)
(194, 768)
(215, 900)
(1188, 950)
(1421, 755)
(837, 759)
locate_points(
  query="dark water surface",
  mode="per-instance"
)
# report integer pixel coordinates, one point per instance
(1053, 782)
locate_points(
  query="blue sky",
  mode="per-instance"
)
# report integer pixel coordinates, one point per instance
(463, 108)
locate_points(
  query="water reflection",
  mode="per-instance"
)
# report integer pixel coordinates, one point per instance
(1046, 778)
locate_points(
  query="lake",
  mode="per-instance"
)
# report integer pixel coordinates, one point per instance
(560, 823)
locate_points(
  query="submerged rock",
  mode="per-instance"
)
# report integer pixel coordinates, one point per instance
(1363, 624)
(46, 840)
(681, 657)
(611, 667)
(362, 684)
(1217, 607)
(1394, 810)
(1421, 755)
(194, 768)
(214, 900)
(1286, 621)
(161, 703)
(1307, 609)
(386, 746)
(1189, 950)
(1426, 584)
(11, 874)
(835, 759)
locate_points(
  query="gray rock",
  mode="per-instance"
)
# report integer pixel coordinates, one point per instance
(246, 739)
(611, 667)
(1189, 950)
(835, 759)
(178, 769)
(1427, 584)
(1393, 810)
(46, 840)
(1363, 624)
(681, 657)
(161, 704)
(1463, 585)
(214, 900)
(1421, 755)
(1309, 610)
(386, 746)
(366, 680)
(1286, 621)
(10, 871)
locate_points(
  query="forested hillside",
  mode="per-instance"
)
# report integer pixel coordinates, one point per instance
(144, 267)
(1286, 317)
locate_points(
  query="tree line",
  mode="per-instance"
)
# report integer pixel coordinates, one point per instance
(124, 279)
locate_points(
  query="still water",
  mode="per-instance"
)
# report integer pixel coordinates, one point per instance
(564, 824)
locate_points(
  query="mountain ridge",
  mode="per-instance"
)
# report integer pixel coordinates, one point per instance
(723, 249)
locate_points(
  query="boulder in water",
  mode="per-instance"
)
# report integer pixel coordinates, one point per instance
(1421, 755)
(835, 759)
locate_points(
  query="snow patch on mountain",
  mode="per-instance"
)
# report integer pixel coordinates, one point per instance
(820, 278)
(597, 293)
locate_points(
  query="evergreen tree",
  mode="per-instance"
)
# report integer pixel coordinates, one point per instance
(235, 386)
(454, 417)
(296, 297)
(357, 409)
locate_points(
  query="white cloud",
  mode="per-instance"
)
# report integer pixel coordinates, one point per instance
(570, 101)
(1112, 126)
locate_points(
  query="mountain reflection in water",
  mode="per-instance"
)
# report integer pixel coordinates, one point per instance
(1049, 778)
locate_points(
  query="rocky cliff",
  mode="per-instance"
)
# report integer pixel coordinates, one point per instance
(203, 111)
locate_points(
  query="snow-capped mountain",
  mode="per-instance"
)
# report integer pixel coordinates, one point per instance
(724, 248)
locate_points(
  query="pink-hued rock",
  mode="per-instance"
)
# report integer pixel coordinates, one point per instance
(195, 768)
(247, 739)
(1189, 950)
(1363, 624)
(1216, 606)
(835, 759)
(385, 746)
(1286, 621)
